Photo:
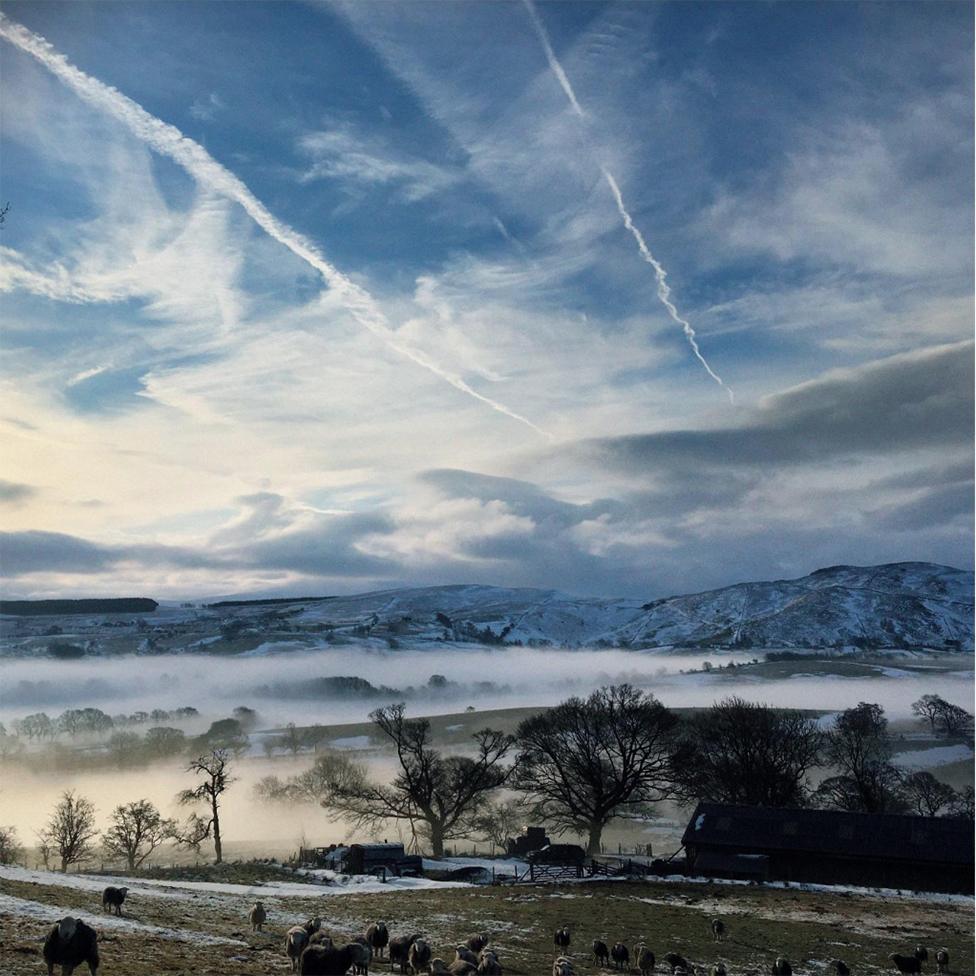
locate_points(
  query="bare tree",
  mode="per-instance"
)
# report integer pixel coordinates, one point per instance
(859, 748)
(927, 795)
(214, 768)
(499, 822)
(331, 770)
(11, 851)
(954, 720)
(748, 753)
(70, 831)
(137, 829)
(584, 762)
(964, 805)
(927, 709)
(438, 796)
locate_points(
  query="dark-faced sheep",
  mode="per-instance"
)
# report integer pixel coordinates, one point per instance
(362, 956)
(562, 967)
(399, 947)
(718, 929)
(675, 961)
(782, 967)
(69, 944)
(921, 954)
(488, 964)
(620, 955)
(297, 938)
(841, 968)
(718, 970)
(439, 968)
(378, 937)
(561, 939)
(325, 959)
(461, 967)
(113, 898)
(257, 916)
(645, 959)
(418, 956)
(464, 952)
(477, 942)
(601, 953)
(942, 961)
(906, 964)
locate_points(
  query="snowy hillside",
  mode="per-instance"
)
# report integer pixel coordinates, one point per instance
(900, 605)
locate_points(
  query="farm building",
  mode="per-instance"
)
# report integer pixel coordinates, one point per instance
(830, 847)
(365, 859)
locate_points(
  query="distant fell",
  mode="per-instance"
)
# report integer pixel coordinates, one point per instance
(47, 608)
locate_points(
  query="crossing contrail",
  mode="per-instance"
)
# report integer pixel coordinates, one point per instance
(663, 291)
(169, 141)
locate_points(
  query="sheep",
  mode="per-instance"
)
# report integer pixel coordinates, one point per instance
(562, 967)
(362, 956)
(620, 955)
(113, 898)
(782, 967)
(718, 929)
(377, 936)
(906, 964)
(298, 937)
(488, 964)
(325, 959)
(841, 968)
(69, 944)
(675, 961)
(645, 959)
(399, 949)
(942, 961)
(561, 939)
(257, 916)
(601, 954)
(921, 954)
(461, 967)
(477, 942)
(718, 970)
(439, 968)
(418, 956)
(464, 952)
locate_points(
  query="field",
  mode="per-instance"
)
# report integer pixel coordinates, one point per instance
(186, 927)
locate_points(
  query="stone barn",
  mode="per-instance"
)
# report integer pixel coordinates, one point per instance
(831, 847)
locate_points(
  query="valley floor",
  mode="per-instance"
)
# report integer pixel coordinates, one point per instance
(199, 928)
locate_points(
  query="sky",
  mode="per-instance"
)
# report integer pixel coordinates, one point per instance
(617, 299)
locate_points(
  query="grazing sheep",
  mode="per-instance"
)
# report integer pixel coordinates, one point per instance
(418, 956)
(320, 938)
(942, 961)
(782, 967)
(906, 964)
(113, 898)
(298, 937)
(562, 967)
(400, 949)
(465, 953)
(362, 956)
(461, 967)
(477, 942)
(325, 959)
(645, 959)
(257, 916)
(718, 970)
(378, 937)
(71, 943)
(488, 964)
(921, 954)
(561, 939)
(601, 954)
(718, 929)
(675, 961)
(620, 955)
(841, 968)
(439, 968)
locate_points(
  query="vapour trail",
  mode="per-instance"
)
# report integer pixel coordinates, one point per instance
(663, 291)
(169, 141)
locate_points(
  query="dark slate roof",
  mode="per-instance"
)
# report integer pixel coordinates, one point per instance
(860, 835)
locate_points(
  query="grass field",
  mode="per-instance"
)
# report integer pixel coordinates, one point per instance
(811, 928)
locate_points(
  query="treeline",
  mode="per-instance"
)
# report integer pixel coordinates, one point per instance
(44, 608)
(579, 765)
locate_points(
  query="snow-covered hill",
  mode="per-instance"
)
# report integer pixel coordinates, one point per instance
(899, 605)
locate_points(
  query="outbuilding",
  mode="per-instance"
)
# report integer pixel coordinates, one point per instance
(831, 847)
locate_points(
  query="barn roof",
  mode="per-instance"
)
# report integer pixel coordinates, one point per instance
(836, 832)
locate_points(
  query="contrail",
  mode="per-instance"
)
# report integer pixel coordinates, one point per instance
(169, 141)
(663, 291)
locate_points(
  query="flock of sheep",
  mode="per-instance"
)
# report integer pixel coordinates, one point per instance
(72, 943)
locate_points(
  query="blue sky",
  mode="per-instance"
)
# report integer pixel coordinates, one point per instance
(377, 319)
